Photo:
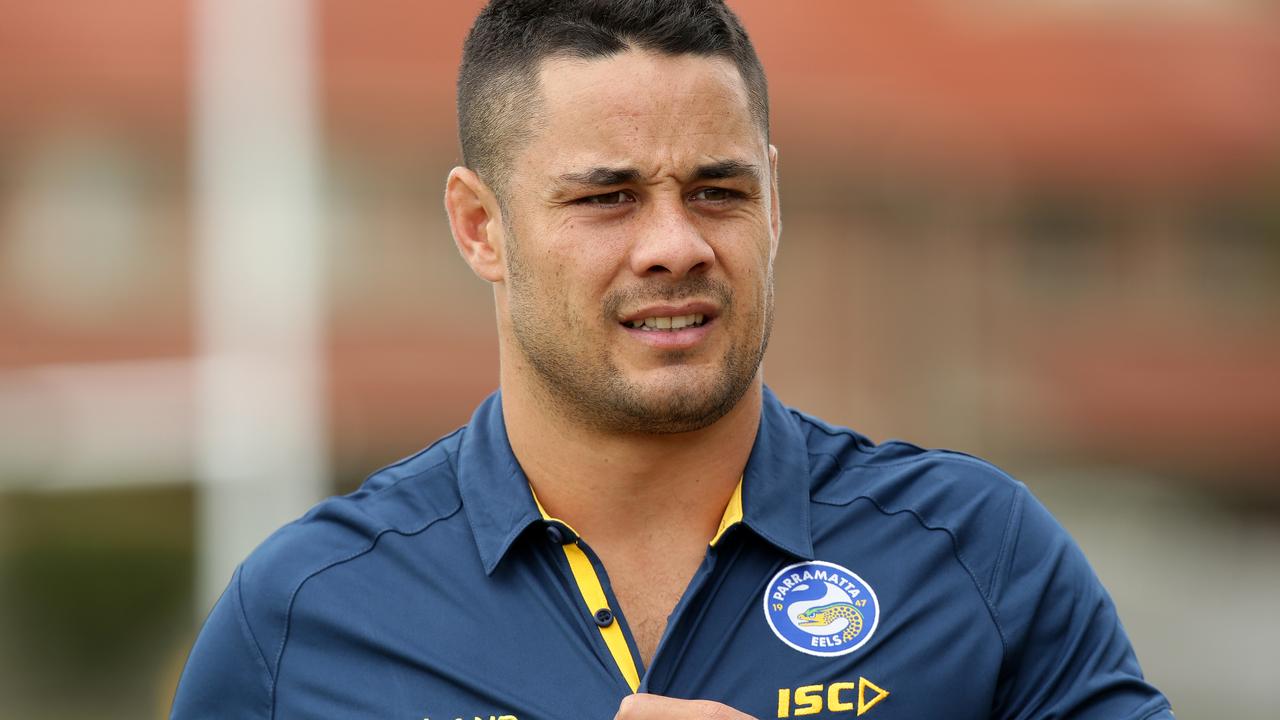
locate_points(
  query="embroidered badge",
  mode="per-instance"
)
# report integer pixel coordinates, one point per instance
(821, 608)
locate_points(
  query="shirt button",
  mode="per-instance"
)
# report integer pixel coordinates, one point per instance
(604, 617)
(555, 535)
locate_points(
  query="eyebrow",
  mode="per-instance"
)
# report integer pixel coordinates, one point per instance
(607, 176)
(725, 169)
(602, 176)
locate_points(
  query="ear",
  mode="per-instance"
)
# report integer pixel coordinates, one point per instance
(775, 202)
(475, 218)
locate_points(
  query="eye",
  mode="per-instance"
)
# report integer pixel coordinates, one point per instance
(715, 195)
(618, 197)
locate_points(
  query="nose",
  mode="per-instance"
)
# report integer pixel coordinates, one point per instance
(670, 243)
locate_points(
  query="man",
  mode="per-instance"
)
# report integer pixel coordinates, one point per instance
(636, 527)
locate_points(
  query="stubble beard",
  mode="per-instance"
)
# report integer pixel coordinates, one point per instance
(586, 385)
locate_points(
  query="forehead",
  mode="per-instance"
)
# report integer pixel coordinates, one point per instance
(640, 109)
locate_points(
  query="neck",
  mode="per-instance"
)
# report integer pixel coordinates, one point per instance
(624, 488)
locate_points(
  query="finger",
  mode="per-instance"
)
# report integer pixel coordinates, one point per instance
(643, 706)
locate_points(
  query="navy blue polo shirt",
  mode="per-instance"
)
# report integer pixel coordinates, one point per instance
(847, 579)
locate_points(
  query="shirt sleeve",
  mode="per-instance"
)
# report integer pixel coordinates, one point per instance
(1066, 654)
(226, 675)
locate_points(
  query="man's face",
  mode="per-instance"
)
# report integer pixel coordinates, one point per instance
(641, 224)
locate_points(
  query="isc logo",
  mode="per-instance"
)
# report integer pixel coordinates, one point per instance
(836, 697)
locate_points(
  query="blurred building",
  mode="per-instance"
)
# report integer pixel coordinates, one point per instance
(1047, 233)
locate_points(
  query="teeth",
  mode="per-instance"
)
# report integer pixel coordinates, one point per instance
(668, 323)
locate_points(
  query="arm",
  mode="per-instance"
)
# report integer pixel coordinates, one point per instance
(227, 675)
(1066, 652)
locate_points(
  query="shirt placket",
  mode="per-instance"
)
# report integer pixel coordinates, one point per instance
(602, 606)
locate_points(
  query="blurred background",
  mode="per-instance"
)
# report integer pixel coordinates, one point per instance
(1043, 232)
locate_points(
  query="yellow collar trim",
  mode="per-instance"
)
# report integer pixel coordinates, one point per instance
(546, 515)
(732, 513)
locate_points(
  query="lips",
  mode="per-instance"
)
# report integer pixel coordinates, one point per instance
(670, 318)
(658, 324)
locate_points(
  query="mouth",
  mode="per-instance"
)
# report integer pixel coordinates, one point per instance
(680, 326)
(670, 318)
(666, 323)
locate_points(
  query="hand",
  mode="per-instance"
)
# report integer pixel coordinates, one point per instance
(656, 707)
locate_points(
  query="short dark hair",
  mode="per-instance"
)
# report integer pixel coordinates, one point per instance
(498, 78)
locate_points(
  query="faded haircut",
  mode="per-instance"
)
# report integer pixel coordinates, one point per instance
(498, 78)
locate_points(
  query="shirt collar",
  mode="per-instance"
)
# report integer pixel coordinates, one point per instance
(772, 500)
(775, 486)
(495, 492)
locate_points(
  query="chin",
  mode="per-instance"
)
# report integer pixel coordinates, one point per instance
(623, 394)
(677, 402)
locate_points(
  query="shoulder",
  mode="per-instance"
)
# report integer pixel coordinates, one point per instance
(406, 497)
(943, 486)
(975, 502)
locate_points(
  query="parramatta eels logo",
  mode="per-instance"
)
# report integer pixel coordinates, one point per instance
(821, 608)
